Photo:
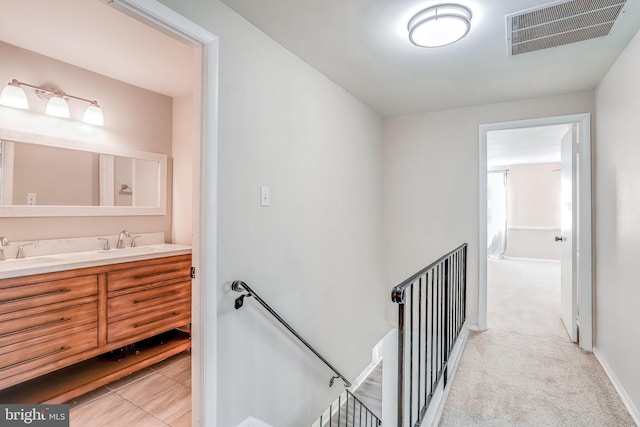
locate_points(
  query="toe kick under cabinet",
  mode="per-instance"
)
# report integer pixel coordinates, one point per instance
(54, 326)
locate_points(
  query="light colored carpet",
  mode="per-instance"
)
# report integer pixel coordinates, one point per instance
(524, 371)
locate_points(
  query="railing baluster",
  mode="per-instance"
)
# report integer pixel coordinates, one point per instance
(330, 414)
(346, 416)
(441, 308)
(419, 339)
(446, 319)
(431, 309)
(400, 364)
(411, 356)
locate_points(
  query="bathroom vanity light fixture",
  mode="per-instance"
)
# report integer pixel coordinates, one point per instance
(13, 95)
(439, 25)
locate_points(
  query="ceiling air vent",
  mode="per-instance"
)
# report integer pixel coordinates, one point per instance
(562, 23)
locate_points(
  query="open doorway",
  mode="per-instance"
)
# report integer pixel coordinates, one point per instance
(535, 204)
(201, 161)
(523, 222)
(180, 125)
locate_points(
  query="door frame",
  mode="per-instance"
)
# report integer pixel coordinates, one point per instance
(205, 160)
(583, 226)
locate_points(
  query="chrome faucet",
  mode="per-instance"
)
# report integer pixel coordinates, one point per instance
(133, 241)
(3, 242)
(20, 253)
(105, 246)
(123, 235)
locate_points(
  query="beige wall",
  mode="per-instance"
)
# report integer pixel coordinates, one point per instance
(533, 207)
(184, 118)
(617, 234)
(134, 118)
(431, 181)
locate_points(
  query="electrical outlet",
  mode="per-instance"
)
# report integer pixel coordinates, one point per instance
(31, 199)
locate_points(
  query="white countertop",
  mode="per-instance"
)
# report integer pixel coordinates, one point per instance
(72, 260)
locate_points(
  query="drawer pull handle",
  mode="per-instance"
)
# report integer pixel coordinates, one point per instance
(139, 325)
(44, 325)
(59, 291)
(160, 273)
(60, 350)
(166, 294)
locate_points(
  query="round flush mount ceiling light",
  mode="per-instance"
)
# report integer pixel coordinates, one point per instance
(439, 25)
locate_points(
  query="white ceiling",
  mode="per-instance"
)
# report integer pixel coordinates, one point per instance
(525, 146)
(97, 37)
(362, 45)
(359, 44)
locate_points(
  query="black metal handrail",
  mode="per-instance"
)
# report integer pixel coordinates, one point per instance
(441, 289)
(240, 286)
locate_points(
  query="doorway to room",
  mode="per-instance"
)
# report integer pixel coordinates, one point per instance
(535, 241)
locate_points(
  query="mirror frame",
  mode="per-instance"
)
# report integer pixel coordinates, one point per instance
(92, 140)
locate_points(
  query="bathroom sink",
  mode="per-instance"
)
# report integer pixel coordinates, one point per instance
(13, 263)
(130, 251)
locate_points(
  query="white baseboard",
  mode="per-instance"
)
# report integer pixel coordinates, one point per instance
(512, 258)
(631, 407)
(436, 406)
(253, 422)
(475, 328)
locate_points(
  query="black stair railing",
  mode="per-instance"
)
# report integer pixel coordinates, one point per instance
(349, 411)
(431, 313)
(240, 286)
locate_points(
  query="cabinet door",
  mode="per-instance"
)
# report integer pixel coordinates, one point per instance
(150, 273)
(41, 294)
(149, 323)
(55, 319)
(134, 302)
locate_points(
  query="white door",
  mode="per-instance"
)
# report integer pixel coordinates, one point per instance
(568, 194)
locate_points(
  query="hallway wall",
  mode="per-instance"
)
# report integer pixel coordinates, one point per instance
(617, 231)
(431, 181)
(316, 254)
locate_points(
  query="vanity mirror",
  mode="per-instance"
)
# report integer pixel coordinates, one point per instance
(49, 176)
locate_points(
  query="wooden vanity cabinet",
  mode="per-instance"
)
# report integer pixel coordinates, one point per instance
(147, 299)
(51, 322)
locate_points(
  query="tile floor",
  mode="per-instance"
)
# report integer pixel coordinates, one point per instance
(156, 396)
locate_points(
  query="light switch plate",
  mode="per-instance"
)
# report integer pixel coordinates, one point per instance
(264, 197)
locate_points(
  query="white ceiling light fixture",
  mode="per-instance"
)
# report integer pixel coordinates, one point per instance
(57, 101)
(58, 107)
(439, 25)
(13, 96)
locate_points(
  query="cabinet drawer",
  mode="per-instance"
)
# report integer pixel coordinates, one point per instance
(169, 270)
(136, 301)
(43, 353)
(44, 293)
(151, 322)
(25, 328)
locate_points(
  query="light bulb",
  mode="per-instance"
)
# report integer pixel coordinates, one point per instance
(14, 96)
(93, 115)
(57, 107)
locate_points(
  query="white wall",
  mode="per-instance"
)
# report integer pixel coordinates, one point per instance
(316, 254)
(533, 211)
(431, 181)
(617, 234)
